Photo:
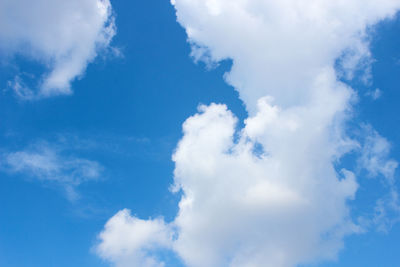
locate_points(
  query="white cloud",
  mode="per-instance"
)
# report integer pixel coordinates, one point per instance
(63, 36)
(279, 47)
(287, 205)
(375, 160)
(129, 241)
(48, 164)
(375, 156)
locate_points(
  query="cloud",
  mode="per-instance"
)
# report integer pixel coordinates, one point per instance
(278, 48)
(129, 241)
(284, 207)
(63, 36)
(375, 156)
(270, 194)
(48, 164)
(387, 211)
(374, 94)
(375, 160)
(21, 90)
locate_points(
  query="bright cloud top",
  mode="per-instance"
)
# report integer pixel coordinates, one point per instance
(64, 36)
(269, 194)
(278, 48)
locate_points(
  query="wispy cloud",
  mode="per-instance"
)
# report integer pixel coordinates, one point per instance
(387, 211)
(20, 89)
(374, 94)
(375, 156)
(49, 164)
(375, 162)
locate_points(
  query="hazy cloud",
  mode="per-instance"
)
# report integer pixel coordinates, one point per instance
(48, 163)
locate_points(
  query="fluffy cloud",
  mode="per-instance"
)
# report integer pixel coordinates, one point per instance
(278, 209)
(278, 48)
(63, 36)
(129, 241)
(47, 163)
(270, 194)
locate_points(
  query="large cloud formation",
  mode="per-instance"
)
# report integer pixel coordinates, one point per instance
(64, 36)
(268, 195)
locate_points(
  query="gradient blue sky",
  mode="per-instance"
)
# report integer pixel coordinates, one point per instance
(126, 114)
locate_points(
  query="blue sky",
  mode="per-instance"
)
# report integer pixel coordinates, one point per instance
(110, 143)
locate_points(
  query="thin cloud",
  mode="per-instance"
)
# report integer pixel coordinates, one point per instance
(20, 89)
(48, 164)
(374, 94)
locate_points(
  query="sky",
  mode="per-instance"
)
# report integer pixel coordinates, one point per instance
(199, 133)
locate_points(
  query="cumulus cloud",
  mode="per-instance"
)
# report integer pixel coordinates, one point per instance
(281, 208)
(63, 36)
(270, 194)
(129, 241)
(48, 164)
(278, 48)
